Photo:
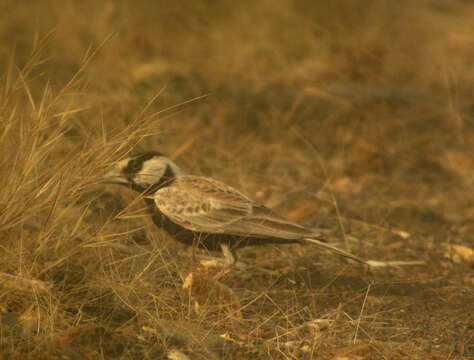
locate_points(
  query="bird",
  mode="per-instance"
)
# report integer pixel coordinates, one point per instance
(202, 211)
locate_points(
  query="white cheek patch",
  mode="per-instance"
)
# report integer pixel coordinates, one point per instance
(151, 172)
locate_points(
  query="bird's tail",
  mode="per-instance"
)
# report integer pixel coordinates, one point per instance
(334, 250)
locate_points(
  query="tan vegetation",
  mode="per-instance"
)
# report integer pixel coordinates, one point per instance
(355, 116)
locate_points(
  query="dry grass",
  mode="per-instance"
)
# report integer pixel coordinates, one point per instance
(353, 116)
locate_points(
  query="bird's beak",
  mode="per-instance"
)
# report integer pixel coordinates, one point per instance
(114, 176)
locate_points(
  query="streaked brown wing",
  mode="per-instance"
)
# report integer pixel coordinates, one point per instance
(206, 205)
(201, 204)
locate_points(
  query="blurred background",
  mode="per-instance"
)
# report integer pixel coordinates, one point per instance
(356, 116)
(360, 92)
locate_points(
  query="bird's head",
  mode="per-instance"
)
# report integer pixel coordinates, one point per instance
(146, 172)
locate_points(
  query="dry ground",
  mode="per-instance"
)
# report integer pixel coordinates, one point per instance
(355, 116)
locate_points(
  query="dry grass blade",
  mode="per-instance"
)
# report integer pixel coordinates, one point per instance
(336, 250)
(384, 264)
(20, 283)
(176, 355)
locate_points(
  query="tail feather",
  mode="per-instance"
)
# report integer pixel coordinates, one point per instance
(335, 250)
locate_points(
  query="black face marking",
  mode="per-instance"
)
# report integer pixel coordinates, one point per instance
(168, 177)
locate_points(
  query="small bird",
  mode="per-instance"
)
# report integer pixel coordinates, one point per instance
(202, 211)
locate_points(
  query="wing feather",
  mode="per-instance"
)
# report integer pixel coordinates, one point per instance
(206, 205)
